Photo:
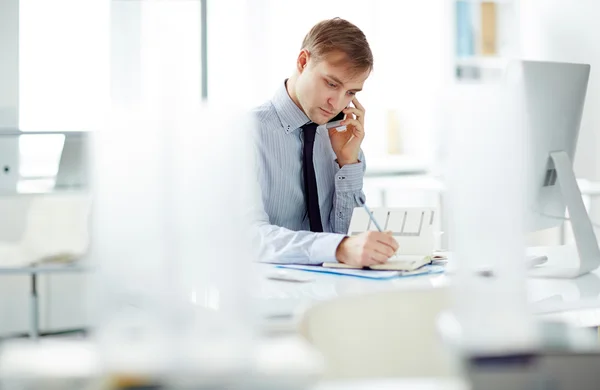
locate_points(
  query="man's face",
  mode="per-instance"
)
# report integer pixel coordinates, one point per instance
(326, 87)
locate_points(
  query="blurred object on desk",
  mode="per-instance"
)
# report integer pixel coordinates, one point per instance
(384, 334)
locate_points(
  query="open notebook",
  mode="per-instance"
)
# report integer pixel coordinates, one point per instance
(412, 228)
(395, 263)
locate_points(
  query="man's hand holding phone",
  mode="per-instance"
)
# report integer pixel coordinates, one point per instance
(346, 144)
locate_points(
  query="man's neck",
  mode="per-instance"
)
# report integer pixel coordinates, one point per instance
(290, 86)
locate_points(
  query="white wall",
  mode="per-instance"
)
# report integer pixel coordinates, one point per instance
(566, 30)
(63, 65)
(125, 56)
(412, 45)
(563, 30)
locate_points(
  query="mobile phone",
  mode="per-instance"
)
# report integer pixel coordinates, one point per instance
(335, 122)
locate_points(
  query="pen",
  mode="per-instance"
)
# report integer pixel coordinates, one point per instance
(371, 216)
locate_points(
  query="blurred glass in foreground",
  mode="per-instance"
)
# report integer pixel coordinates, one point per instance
(171, 242)
(174, 187)
(488, 172)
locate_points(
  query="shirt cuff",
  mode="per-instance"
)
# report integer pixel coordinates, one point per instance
(350, 177)
(324, 247)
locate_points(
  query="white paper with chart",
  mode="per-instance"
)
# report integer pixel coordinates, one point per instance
(412, 228)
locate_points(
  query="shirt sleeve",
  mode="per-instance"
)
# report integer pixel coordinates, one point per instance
(348, 188)
(281, 245)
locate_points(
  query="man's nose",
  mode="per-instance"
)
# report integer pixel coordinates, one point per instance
(334, 101)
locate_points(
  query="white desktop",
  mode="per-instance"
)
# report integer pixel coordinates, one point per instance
(554, 97)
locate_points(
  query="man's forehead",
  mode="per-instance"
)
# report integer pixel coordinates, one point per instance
(338, 65)
(348, 77)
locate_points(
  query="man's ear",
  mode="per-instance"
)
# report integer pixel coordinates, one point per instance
(302, 61)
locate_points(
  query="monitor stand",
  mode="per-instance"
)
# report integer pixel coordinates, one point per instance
(569, 261)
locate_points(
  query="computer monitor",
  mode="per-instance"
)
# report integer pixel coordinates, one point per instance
(554, 99)
(73, 168)
(73, 172)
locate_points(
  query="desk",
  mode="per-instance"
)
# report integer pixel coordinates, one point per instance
(34, 310)
(281, 303)
(394, 384)
(576, 301)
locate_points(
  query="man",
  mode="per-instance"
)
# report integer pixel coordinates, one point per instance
(311, 179)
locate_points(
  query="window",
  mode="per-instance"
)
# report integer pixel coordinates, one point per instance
(63, 64)
(77, 57)
(63, 80)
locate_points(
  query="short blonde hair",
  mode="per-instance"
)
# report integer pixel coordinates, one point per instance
(339, 35)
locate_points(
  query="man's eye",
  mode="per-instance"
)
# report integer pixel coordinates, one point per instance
(351, 93)
(332, 85)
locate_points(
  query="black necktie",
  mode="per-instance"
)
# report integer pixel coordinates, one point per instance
(310, 179)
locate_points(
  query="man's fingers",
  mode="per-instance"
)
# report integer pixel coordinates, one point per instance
(351, 121)
(377, 257)
(395, 245)
(351, 110)
(346, 134)
(357, 104)
(333, 132)
(384, 250)
(394, 242)
(358, 127)
(387, 239)
(383, 238)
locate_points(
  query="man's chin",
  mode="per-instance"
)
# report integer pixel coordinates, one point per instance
(320, 118)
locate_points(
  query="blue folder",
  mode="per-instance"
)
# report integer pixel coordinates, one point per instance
(367, 273)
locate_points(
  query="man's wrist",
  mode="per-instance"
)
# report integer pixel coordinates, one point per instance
(342, 162)
(340, 251)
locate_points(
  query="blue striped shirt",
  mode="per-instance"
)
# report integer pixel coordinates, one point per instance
(282, 222)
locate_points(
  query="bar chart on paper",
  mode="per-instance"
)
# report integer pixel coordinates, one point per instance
(413, 228)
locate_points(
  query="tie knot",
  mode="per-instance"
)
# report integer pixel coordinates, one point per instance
(310, 127)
